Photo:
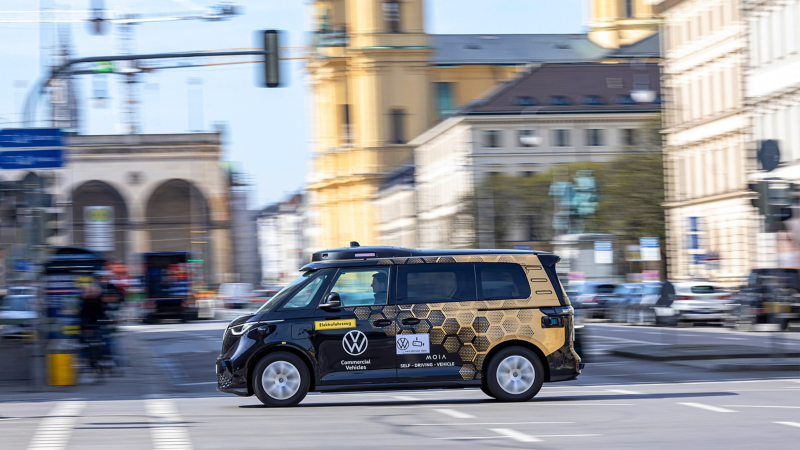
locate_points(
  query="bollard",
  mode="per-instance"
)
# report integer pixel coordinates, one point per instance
(61, 365)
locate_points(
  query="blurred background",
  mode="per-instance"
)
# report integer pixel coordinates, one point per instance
(169, 165)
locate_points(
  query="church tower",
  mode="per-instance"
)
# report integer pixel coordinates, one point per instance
(370, 75)
(616, 23)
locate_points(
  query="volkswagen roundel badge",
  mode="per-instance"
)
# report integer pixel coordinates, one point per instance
(355, 342)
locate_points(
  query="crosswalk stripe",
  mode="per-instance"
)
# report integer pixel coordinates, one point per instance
(514, 434)
(168, 431)
(707, 407)
(55, 430)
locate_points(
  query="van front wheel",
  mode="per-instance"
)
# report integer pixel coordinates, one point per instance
(515, 374)
(281, 379)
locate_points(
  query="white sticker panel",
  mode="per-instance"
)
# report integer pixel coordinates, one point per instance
(410, 344)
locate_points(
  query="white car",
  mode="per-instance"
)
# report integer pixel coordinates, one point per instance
(18, 313)
(236, 295)
(695, 301)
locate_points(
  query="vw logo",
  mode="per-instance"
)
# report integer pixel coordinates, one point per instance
(402, 343)
(355, 342)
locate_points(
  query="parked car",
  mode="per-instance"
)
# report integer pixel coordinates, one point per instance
(618, 305)
(770, 296)
(640, 309)
(695, 301)
(263, 295)
(18, 313)
(236, 295)
(592, 298)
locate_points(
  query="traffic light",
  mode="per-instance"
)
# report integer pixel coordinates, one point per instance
(774, 201)
(272, 76)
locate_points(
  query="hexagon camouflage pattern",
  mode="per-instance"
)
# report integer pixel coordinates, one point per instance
(471, 329)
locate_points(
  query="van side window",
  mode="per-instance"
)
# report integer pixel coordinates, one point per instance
(502, 281)
(360, 287)
(306, 295)
(430, 283)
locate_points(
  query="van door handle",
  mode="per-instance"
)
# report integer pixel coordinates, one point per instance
(410, 321)
(382, 323)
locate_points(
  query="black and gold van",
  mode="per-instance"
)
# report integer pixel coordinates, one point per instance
(396, 318)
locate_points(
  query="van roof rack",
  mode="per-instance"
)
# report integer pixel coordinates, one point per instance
(358, 252)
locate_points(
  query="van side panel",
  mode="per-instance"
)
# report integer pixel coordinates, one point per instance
(465, 332)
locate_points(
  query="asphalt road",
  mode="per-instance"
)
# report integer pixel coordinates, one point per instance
(616, 403)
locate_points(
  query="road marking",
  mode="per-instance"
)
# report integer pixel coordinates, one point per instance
(707, 407)
(483, 423)
(407, 398)
(455, 414)
(791, 424)
(197, 384)
(55, 430)
(754, 406)
(468, 438)
(734, 338)
(623, 391)
(515, 435)
(167, 430)
(635, 374)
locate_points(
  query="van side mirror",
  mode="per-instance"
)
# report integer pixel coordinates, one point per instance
(333, 301)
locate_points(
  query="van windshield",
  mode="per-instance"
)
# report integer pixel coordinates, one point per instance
(277, 298)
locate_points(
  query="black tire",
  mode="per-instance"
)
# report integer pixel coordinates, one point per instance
(485, 388)
(494, 386)
(299, 365)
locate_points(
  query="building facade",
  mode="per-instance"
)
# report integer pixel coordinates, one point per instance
(396, 209)
(708, 212)
(282, 240)
(379, 81)
(617, 23)
(123, 195)
(773, 103)
(573, 112)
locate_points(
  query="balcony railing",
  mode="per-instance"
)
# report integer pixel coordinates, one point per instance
(330, 38)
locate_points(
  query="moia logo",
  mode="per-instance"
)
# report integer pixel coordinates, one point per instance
(435, 357)
(355, 342)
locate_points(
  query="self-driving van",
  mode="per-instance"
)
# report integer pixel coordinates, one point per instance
(395, 318)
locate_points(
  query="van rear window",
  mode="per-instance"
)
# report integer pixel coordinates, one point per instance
(502, 281)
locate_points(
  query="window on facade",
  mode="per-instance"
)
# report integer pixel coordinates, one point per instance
(526, 142)
(593, 100)
(425, 283)
(398, 133)
(391, 15)
(347, 129)
(561, 138)
(559, 100)
(524, 100)
(500, 281)
(445, 104)
(629, 8)
(629, 137)
(491, 139)
(624, 100)
(594, 137)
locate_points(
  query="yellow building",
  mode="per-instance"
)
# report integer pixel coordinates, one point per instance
(379, 81)
(617, 23)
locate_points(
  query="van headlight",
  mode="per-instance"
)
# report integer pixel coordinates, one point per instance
(240, 329)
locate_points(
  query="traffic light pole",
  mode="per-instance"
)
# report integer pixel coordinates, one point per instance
(67, 68)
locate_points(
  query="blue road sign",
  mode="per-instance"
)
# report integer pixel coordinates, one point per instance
(32, 148)
(31, 159)
(30, 137)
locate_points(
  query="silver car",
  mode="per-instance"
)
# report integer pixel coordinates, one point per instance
(18, 313)
(696, 301)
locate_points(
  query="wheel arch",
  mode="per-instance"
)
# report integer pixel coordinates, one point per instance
(517, 343)
(280, 348)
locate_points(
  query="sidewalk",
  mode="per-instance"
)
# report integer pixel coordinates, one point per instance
(724, 358)
(139, 378)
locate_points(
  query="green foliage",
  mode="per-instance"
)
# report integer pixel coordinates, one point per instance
(630, 190)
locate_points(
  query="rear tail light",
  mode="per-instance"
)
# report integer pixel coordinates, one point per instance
(756, 311)
(683, 297)
(726, 297)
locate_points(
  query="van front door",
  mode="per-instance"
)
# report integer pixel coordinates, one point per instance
(355, 342)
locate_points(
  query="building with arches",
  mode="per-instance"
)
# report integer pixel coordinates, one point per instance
(124, 195)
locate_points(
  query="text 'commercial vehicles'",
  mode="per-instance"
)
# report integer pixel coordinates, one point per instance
(387, 317)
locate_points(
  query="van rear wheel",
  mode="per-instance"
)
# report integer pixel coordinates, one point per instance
(515, 374)
(281, 379)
